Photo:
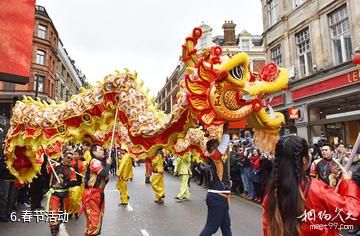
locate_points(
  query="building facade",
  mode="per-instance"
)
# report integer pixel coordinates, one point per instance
(230, 43)
(315, 40)
(48, 56)
(68, 76)
(166, 97)
(42, 69)
(244, 41)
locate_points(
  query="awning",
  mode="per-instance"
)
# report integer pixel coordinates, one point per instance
(334, 120)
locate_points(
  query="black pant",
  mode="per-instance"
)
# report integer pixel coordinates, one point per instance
(201, 177)
(235, 178)
(218, 215)
(23, 195)
(7, 197)
(36, 191)
(259, 193)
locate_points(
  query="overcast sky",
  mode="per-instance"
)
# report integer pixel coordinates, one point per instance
(142, 35)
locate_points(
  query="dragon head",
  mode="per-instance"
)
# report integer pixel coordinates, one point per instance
(226, 90)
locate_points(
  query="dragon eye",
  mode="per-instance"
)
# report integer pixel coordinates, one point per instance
(237, 72)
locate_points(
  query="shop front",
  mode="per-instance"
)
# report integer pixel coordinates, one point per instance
(331, 106)
(337, 120)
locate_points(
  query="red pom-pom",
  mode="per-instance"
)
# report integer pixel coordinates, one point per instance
(197, 32)
(216, 51)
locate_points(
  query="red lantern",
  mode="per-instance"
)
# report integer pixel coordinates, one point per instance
(356, 59)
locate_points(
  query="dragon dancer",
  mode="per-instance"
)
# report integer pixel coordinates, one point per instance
(182, 168)
(148, 171)
(124, 173)
(93, 200)
(75, 193)
(325, 168)
(219, 192)
(86, 151)
(62, 178)
(157, 179)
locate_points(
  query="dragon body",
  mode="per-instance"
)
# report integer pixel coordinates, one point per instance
(213, 92)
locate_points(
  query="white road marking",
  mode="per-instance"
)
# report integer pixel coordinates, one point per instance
(62, 230)
(144, 232)
(129, 207)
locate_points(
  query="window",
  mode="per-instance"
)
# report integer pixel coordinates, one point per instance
(298, 3)
(63, 71)
(276, 56)
(273, 11)
(67, 95)
(304, 52)
(9, 86)
(40, 80)
(62, 88)
(40, 57)
(245, 45)
(340, 35)
(42, 31)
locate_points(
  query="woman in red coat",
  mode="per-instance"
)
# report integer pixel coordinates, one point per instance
(299, 205)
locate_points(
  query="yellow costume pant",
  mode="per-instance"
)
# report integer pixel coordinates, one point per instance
(75, 195)
(122, 187)
(184, 187)
(157, 183)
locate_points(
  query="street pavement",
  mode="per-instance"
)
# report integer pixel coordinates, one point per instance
(143, 217)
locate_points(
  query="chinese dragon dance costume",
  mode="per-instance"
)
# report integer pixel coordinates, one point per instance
(213, 91)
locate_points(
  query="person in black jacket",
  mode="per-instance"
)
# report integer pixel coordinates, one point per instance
(219, 190)
(38, 187)
(7, 190)
(235, 170)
